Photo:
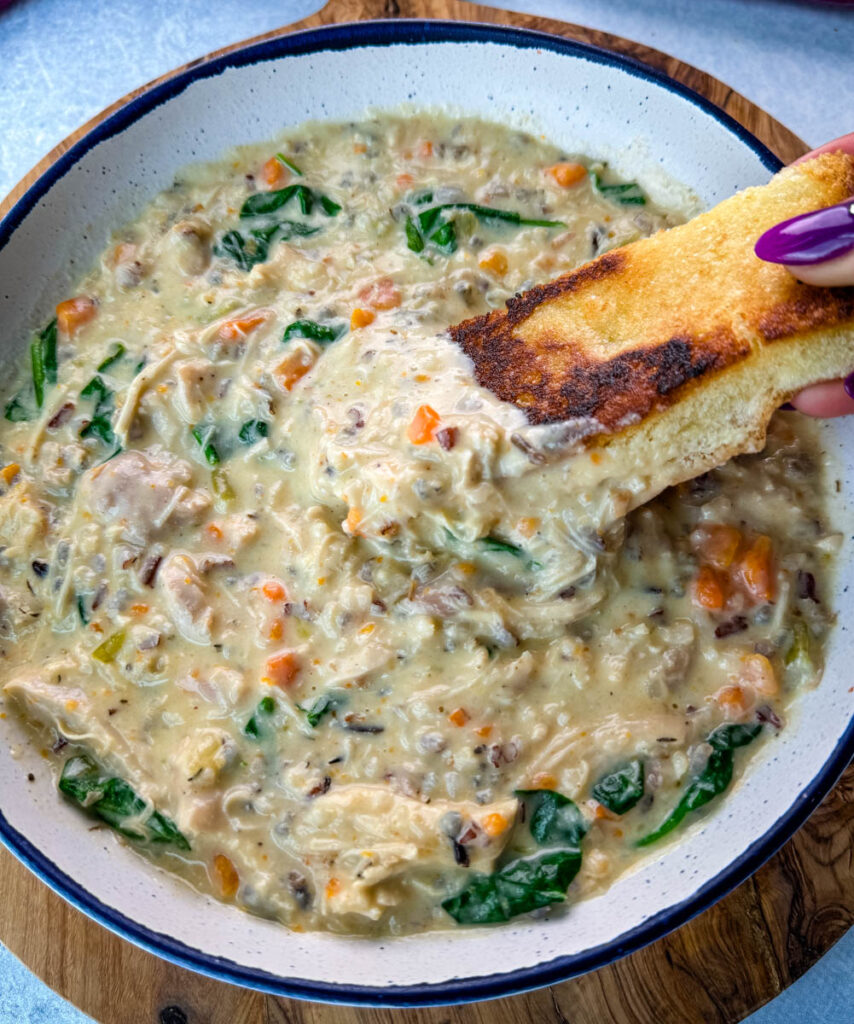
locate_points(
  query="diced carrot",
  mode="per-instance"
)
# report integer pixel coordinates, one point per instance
(528, 525)
(237, 329)
(495, 261)
(226, 876)
(424, 425)
(124, 252)
(600, 812)
(10, 472)
(281, 669)
(469, 568)
(425, 149)
(353, 520)
(755, 570)
(759, 673)
(276, 631)
(214, 531)
(382, 294)
(734, 700)
(718, 545)
(708, 590)
(138, 609)
(484, 731)
(458, 717)
(333, 887)
(543, 780)
(494, 824)
(360, 147)
(72, 314)
(274, 591)
(404, 180)
(361, 318)
(275, 173)
(566, 175)
(293, 368)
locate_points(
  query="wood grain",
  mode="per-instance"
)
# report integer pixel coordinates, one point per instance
(716, 969)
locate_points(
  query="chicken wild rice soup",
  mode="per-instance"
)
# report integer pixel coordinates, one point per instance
(305, 614)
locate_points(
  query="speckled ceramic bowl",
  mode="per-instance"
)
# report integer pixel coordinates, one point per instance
(585, 100)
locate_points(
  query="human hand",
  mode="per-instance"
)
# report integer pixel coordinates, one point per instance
(818, 248)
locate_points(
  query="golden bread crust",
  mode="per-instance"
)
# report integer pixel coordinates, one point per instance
(630, 334)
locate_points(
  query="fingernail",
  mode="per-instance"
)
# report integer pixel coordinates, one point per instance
(811, 237)
(848, 384)
(788, 407)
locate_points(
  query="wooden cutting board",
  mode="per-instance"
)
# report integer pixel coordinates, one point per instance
(718, 968)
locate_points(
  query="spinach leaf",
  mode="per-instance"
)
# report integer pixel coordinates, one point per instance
(553, 819)
(712, 780)
(101, 425)
(246, 252)
(43, 365)
(43, 360)
(263, 203)
(491, 543)
(732, 736)
(47, 339)
(256, 727)
(205, 438)
(535, 880)
(234, 246)
(436, 226)
(253, 431)
(330, 207)
(489, 213)
(113, 800)
(97, 389)
(117, 354)
(627, 194)
(268, 202)
(323, 334)
(621, 789)
(521, 886)
(291, 166)
(323, 705)
(37, 363)
(414, 241)
(17, 410)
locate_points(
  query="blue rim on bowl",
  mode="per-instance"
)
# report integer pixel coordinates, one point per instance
(351, 36)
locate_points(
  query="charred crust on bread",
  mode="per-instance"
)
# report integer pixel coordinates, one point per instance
(632, 333)
(614, 392)
(809, 309)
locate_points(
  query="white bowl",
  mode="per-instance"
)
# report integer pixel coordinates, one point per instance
(585, 100)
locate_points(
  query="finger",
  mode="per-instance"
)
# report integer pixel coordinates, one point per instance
(833, 398)
(830, 274)
(844, 144)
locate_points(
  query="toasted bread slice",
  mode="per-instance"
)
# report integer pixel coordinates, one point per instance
(679, 347)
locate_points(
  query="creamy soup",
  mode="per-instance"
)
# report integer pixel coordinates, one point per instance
(325, 627)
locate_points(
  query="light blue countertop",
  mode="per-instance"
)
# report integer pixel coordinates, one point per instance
(62, 62)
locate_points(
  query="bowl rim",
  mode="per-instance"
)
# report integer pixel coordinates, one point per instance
(349, 36)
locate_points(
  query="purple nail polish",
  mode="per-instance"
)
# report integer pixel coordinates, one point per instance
(811, 237)
(848, 384)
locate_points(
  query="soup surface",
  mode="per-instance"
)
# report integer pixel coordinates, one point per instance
(325, 627)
